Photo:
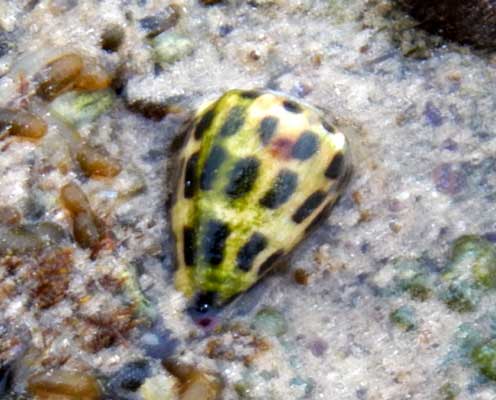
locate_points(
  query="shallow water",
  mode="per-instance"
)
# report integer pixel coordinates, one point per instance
(422, 130)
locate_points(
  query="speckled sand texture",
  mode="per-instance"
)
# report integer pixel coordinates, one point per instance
(424, 149)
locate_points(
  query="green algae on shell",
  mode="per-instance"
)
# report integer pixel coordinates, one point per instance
(257, 171)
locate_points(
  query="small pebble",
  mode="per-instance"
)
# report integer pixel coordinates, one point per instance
(404, 318)
(81, 108)
(59, 76)
(170, 47)
(484, 357)
(19, 240)
(158, 387)
(153, 25)
(476, 254)
(92, 78)
(74, 198)
(60, 384)
(270, 322)
(308, 385)
(87, 228)
(97, 163)
(450, 145)
(129, 378)
(225, 30)
(433, 115)
(449, 179)
(318, 347)
(159, 344)
(21, 123)
(449, 391)
(301, 276)
(156, 111)
(461, 296)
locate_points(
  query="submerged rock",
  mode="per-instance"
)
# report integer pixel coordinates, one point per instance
(468, 22)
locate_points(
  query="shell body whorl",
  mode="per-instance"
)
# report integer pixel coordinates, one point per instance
(255, 172)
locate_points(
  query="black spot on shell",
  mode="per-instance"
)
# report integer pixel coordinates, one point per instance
(204, 124)
(283, 187)
(176, 175)
(189, 250)
(336, 167)
(190, 179)
(270, 262)
(249, 94)
(309, 206)
(328, 127)
(267, 128)
(292, 106)
(211, 167)
(306, 146)
(246, 255)
(235, 120)
(242, 177)
(204, 301)
(214, 240)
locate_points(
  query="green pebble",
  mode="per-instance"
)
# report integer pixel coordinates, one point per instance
(484, 357)
(79, 108)
(479, 256)
(412, 278)
(467, 339)
(419, 287)
(268, 375)
(270, 322)
(243, 390)
(449, 391)
(308, 385)
(404, 318)
(170, 47)
(461, 296)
